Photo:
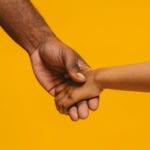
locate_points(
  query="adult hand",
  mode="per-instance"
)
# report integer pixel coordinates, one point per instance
(53, 63)
(52, 60)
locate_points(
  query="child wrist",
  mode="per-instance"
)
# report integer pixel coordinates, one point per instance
(98, 80)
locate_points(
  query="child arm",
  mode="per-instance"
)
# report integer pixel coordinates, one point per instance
(134, 77)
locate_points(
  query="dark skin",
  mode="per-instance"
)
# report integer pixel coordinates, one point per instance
(53, 61)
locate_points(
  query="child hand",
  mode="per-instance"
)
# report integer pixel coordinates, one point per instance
(70, 93)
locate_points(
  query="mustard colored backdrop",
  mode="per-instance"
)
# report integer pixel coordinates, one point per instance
(105, 33)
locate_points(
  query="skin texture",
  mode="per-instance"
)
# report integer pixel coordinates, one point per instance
(53, 71)
(53, 61)
(135, 77)
(70, 93)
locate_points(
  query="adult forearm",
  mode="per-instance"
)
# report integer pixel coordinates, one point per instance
(131, 77)
(24, 24)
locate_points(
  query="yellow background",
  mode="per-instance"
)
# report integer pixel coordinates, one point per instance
(105, 33)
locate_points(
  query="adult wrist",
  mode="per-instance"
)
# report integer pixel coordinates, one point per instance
(37, 38)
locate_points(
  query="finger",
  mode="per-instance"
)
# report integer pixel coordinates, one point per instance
(83, 65)
(52, 92)
(93, 103)
(59, 88)
(52, 87)
(76, 75)
(61, 105)
(61, 102)
(73, 113)
(64, 102)
(59, 108)
(72, 66)
(83, 110)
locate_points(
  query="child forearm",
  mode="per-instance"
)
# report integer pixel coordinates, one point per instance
(134, 77)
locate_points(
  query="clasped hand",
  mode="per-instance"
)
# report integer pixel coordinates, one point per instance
(54, 63)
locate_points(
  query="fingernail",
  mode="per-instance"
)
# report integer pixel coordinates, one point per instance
(81, 76)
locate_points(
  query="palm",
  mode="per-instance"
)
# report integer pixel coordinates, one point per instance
(49, 65)
(46, 77)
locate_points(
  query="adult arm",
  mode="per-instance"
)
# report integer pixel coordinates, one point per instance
(23, 23)
(26, 26)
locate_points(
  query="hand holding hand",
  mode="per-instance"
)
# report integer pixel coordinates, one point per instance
(53, 63)
(71, 93)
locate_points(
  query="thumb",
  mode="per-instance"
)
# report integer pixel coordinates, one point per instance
(74, 71)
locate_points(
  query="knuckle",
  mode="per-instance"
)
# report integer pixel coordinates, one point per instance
(59, 104)
(64, 105)
(73, 68)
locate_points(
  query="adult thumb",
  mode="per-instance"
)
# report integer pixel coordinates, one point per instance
(74, 71)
